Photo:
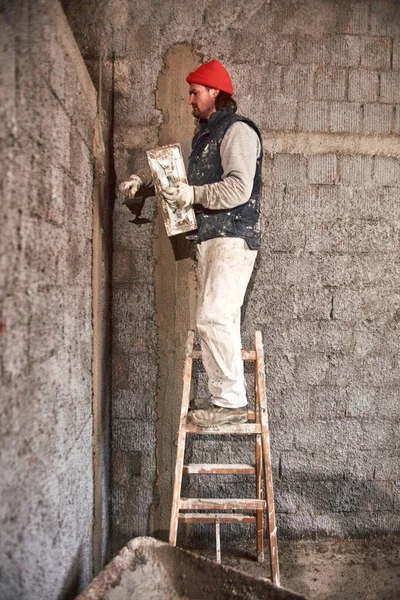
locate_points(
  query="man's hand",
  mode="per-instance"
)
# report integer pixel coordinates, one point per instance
(130, 187)
(179, 196)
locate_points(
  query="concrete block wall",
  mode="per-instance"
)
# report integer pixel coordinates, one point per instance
(326, 298)
(320, 78)
(48, 106)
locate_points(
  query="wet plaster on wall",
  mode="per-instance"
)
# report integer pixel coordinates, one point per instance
(174, 282)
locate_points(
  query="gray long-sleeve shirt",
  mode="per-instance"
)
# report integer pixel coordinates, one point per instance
(239, 151)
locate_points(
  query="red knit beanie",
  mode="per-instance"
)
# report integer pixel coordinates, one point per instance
(212, 74)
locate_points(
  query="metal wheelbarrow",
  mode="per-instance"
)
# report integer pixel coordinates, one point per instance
(147, 569)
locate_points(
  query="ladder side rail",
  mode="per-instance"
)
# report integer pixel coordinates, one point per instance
(261, 387)
(187, 378)
(259, 482)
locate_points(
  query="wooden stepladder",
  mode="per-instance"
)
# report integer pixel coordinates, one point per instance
(264, 501)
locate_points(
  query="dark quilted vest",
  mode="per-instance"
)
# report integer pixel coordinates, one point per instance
(205, 167)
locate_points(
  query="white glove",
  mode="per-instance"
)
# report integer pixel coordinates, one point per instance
(179, 196)
(130, 187)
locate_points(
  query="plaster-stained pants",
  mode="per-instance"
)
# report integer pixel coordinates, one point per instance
(223, 273)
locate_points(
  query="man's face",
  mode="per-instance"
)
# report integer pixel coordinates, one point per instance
(202, 100)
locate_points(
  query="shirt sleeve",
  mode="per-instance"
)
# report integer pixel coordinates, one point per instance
(239, 150)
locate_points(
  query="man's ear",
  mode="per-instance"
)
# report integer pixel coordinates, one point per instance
(214, 92)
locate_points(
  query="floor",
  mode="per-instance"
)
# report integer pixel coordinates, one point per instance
(329, 569)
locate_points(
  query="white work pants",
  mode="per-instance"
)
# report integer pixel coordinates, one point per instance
(224, 269)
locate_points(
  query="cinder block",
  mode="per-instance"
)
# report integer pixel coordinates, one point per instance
(294, 403)
(387, 170)
(333, 200)
(310, 50)
(330, 83)
(388, 205)
(362, 401)
(384, 20)
(396, 56)
(249, 80)
(274, 49)
(378, 118)
(362, 496)
(299, 524)
(283, 269)
(300, 465)
(353, 18)
(342, 371)
(269, 304)
(374, 203)
(280, 371)
(360, 464)
(387, 468)
(344, 51)
(330, 434)
(298, 81)
(356, 170)
(372, 304)
(346, 117)
(322, 168)
(290, 168)
(286, 494)
(343, 270)
(328, 401)
(390, 87)
(317, 328)
(267, 170)
(299, 201)
(271, 200)
(377, 431)
(372, 401)
(397, 120)
(285, 236)
(363, 85)
(282, 436)
(279, 115)
(351, 236)
(313, 116)
(311, 369)
(376, 53)
(128, 404)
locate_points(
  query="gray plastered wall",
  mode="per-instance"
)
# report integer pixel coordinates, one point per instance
(321, 80)
(48, 107)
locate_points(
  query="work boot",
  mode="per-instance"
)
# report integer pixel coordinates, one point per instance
(216, 416)
(200, 403)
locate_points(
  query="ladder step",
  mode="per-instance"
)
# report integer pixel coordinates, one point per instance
(241, 429)
(221, 504)
(213, 517)
(220, 469)
(246, 354)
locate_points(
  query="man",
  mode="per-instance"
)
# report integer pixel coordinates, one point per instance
(224, 177)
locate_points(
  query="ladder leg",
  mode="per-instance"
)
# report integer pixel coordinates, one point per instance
(187, 377)
(261, 386)
(218, 541)
(259, 485)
